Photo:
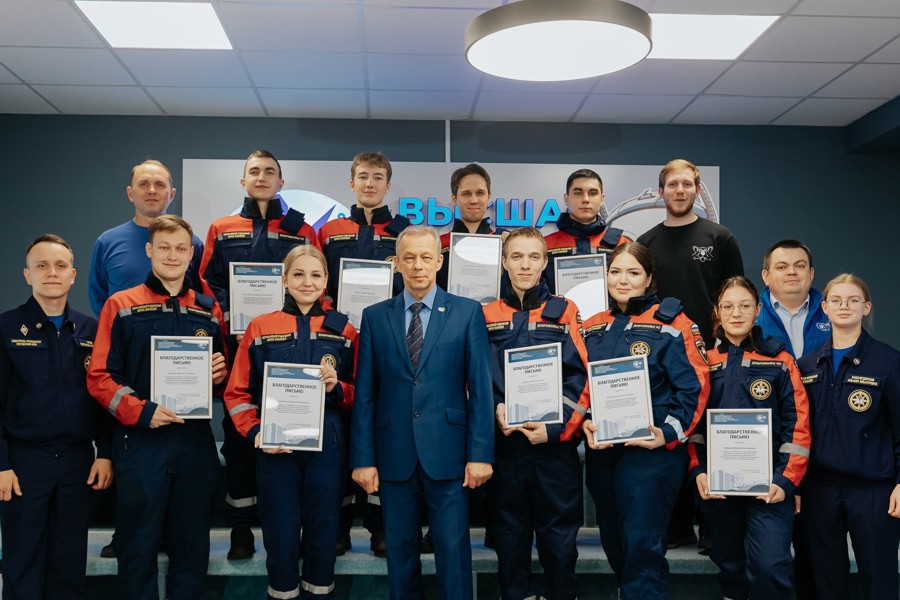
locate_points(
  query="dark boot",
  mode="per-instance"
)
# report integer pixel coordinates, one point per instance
(242, 546)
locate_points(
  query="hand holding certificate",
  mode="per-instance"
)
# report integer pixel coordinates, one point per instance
(292, 410)
(533, 385)
(475, 266)
(254, 289)
(181, 375)
(621, 405)
(739, 451)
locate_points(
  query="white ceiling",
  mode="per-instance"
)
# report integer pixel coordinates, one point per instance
(825, 62)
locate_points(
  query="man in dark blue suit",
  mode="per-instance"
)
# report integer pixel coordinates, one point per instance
(422, 424)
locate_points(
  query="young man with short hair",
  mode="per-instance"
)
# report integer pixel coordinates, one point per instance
(260, 233)
(581, 230)
(47, 421)
(163, 463)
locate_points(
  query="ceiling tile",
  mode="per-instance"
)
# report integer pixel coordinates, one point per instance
(494, 106)
(865, 81)
(417, 30)
(319, 70)
(822, 39)
(20, 99)
(46, 23)
(604, 108)
(657, 76)
(501, 84)
(734, 110)
(888, 54)
(208, 102)
(859, 8)
(219, 68)
(420, 105)
(422, 72)
(825, 112)
(321, 28)
(775, 78)
(99, 100)
(76, 66)
(343, 104)
(718, 7)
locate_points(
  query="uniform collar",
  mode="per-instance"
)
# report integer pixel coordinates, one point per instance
(250, 209)
(569, 225)
(856, 353)
(484, 227)
(157, 287)
(382, 214)
(291, 308)
(36, 317)
(532, 298)
(637, 305)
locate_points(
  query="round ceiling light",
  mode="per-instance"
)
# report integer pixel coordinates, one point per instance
(558, 40)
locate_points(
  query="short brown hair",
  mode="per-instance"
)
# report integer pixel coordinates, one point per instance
(169, 224)
(469, 169)
(679, 164)
(263, 154)
(525, 232)
(50, 238)
(373, 158)
(153, 162)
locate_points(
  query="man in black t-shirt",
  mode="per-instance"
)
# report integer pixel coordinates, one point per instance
(692, 256)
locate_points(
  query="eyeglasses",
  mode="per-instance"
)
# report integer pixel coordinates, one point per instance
(743, 307)
(853, 302)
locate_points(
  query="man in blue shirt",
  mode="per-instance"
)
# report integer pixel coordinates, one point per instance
(119, 260)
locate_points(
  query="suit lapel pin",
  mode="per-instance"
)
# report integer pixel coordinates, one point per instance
(440, 309)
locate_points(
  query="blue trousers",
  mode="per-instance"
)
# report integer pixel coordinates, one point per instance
(832, 510)
(447, 504)
(751, 545)
(302, 491)
(634, 490)
(45, 529)
(536, 489)
(170, 468)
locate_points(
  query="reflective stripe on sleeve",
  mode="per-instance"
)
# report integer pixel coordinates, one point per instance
(794, 449)
(676, 425)
(117, 397)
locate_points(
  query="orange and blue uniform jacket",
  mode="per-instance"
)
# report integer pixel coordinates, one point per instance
(44, 400)
(541, 318)
(760, 376)
(576, 239)
(288, 336)
(676, 363)
(251, 237)
(355, 238)
(119, 376)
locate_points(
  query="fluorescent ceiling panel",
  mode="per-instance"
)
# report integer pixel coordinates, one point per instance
(706, 37)
(173, 25)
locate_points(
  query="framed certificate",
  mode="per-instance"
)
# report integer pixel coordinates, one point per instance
(621, 406)
(181, 375)
(254, 289)
(363, 283)
(739, 451)
(475, 267)
(582, 279)
(533, 384)
(292, 410)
